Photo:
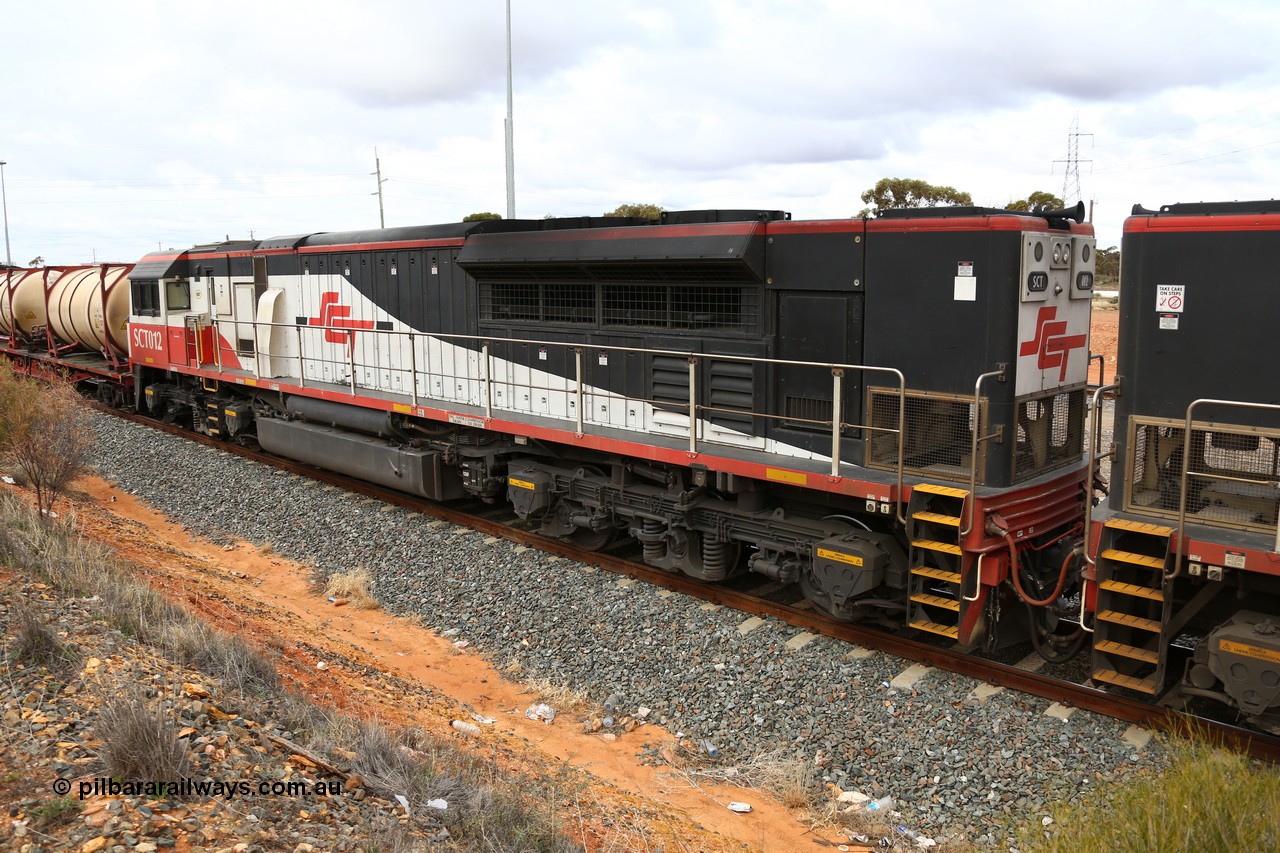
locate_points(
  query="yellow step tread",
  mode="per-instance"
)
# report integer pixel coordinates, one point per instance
(936, 601)
(1133, 589)
(930, 545)
(1143, 685)
(936, 574)
(1139, 527)
(938, 489)
(1136, 559)
(1111, 647)
(934, 628)
(937, 518)
(1129, 621)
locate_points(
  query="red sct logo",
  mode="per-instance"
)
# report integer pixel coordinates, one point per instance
(1051, 347)
(335, 316)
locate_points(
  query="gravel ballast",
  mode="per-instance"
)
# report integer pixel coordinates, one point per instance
(955, 764)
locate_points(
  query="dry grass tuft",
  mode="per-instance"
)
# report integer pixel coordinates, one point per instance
(138, 742)
(562, 699)
(1206, 799)
(226, 657)
(791, 779)
(353, 586)
(36, 645)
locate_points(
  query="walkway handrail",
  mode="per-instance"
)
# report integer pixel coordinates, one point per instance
(1186, 467)
(838, 371)
(1000, 374)
(1095, 426)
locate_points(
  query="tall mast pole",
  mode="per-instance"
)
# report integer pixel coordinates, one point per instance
(377, 172)
(511, 151)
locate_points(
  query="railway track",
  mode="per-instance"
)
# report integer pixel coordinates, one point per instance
(752, 601)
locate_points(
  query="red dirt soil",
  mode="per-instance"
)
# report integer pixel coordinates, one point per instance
(267, 600)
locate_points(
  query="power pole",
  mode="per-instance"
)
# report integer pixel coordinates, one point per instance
(511, 145)
(1071, 178)
(377, 172)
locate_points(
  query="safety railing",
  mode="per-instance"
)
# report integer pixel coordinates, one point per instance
(467, 363)
(1186, 473)
(1000, 374)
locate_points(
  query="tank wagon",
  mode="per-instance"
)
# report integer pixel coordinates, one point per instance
(70, 323)
(1184, 577)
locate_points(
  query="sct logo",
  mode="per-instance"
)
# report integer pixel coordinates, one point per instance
(334, 315)
(1050, 346)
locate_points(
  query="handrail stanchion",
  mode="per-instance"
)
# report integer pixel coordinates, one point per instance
(837, 417)
(488, 379)
(413, 372)
(351, 359)
(902, 444)
(1095, 427)
(257, 354)
(577, 363)
(973, 457)
(302, 366)
(693, 404)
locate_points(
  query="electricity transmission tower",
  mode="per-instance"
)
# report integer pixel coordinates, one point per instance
(1071, 178)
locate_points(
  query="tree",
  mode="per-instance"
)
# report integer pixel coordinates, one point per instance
(480, 217)
(1038, 200)
(37, 261)
(46, 433)
(1106, 269)
(639, 210)
(911, 192)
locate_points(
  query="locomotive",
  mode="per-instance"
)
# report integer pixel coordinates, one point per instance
(890, 412)
(1183, 574)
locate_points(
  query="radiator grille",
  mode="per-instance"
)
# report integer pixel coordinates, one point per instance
(1050, 433)
(622, 306)
(811, 413)
(728, 389)
(1251, 457)
(938, 432)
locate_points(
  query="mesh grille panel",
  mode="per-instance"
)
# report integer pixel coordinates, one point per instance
(538, 302)
(1155, 466)
(939, 433)
(1050, 433)
(629, 306)
(679, 307)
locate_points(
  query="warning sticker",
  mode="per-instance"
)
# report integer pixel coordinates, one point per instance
(1169, 321)
(1170, 297)
(1249, 651)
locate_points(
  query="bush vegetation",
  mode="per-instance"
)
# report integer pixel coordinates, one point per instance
(46, 432)
(487, 810)
(1207, 799)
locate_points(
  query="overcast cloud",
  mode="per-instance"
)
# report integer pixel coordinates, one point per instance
(132, 125)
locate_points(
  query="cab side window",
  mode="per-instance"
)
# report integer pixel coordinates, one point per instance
(145, 295)
(177, 295)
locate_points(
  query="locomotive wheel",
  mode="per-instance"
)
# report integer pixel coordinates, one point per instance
(1049, 643)
(592, 540)
(821, 599)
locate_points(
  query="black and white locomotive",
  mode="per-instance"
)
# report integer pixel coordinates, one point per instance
(889, 412)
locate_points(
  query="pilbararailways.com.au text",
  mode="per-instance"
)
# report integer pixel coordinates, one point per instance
(105, 787)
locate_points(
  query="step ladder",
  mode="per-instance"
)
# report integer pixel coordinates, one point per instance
(935, 602)
(1134, 604)
(214, 422)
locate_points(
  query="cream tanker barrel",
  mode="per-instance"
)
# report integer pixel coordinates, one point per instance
(22, 300)
(90, 306)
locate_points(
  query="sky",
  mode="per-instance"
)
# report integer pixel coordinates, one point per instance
(131, 126)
